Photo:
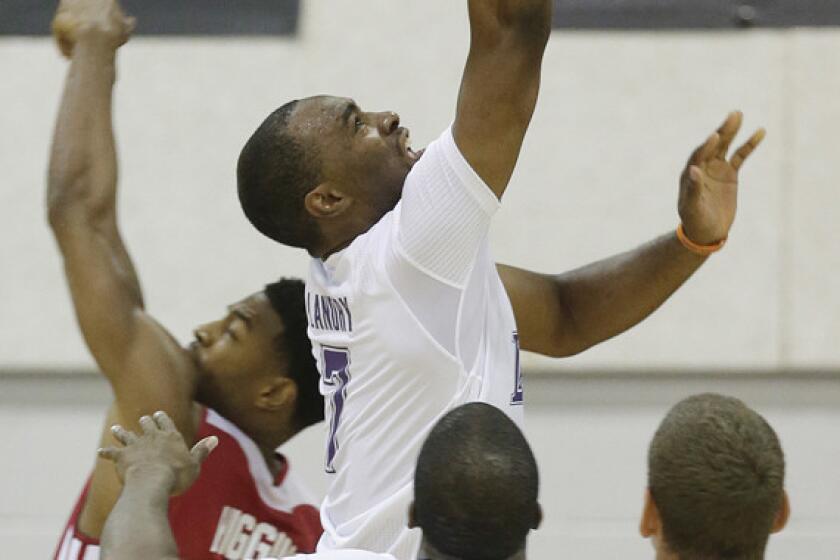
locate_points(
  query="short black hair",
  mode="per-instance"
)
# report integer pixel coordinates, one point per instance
(716, 474)
(287, 299)
(476, 485)
(274, 174)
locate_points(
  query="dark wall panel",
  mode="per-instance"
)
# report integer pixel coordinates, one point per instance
(694, 14)
(169, 17)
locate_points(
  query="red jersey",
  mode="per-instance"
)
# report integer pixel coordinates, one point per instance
(236, 509)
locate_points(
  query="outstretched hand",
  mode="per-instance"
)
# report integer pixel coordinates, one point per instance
(709, 184)
(159, 450)
(102, 19)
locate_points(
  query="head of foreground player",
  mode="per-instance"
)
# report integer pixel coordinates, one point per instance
(715, 482)
(255, 364)
(320, 171)
(475, 487)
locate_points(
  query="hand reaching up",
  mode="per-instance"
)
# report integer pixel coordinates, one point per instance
(709, 184)
(159, 451)
(101, 20)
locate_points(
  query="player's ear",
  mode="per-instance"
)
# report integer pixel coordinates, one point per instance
(783, 515)
(276, 394)
(538, 516)
(412, 520)
(326, 201)
(649, 524)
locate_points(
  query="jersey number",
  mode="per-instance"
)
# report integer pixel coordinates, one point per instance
(336, 374)
(518, 395)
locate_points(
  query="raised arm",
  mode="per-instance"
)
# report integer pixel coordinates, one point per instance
(500, 84)
(562, 315)
(132, 350)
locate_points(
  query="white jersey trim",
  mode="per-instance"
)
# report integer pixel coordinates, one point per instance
(476, 186)
(284, 497)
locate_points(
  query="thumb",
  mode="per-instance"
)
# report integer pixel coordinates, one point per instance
(696, 174)
(202, 449)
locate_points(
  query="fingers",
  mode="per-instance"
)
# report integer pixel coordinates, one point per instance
(149, 426)
(110, 453)
(741, 155)
(202, 449)
(705, 151)
(164, 422)
(122, 435)
(727, 132)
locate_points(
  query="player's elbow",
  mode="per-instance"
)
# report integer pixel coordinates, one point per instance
(58, 211)
(530, 22)
(562, 345)
(520, 24)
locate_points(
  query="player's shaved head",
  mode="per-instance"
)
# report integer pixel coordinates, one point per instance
(476, 485)
(320, 171)
(716, 475)
(276, 170)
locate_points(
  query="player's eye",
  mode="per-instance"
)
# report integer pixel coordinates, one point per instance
(358, 123)
(234, 328)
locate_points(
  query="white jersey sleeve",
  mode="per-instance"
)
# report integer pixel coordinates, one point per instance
(445, 213)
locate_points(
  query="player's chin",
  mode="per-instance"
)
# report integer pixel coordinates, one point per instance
(196, 352)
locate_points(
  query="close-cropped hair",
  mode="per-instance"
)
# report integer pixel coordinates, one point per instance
(476, 485)
(287, 299)
(274, 174)
(716, 474)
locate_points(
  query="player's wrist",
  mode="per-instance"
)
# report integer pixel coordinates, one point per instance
(152, 476)
(701, 247)
(94, 42)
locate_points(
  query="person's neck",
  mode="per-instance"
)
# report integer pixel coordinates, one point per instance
(268, 432)
(327, 249)
(337, 237)
(268, 444)
(429, 552)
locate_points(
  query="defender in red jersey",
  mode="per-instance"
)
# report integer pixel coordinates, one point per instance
(253, 368)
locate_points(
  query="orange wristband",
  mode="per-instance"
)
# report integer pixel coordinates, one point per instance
(702, 250)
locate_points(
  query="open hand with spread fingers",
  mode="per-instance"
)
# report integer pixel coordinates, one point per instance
(101, 20)
(159, 451)
(709, 184)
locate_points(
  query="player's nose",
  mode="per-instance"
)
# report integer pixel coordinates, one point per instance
(202, 336)
(389, 122)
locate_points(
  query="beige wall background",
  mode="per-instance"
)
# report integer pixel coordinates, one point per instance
(618, 116)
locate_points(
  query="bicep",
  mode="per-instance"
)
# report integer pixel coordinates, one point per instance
(145, 366)
(544, 322)
(498, 93)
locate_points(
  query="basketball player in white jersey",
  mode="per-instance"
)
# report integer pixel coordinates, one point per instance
(475, 491)
(408, 313)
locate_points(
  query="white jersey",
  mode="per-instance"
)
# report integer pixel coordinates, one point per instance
(342, 555)
(408, 322)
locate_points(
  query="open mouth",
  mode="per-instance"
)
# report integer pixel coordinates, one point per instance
(404, 144)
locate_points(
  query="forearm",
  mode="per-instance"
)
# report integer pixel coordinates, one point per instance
(138, 526)
(83, 164)
(608, 297)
